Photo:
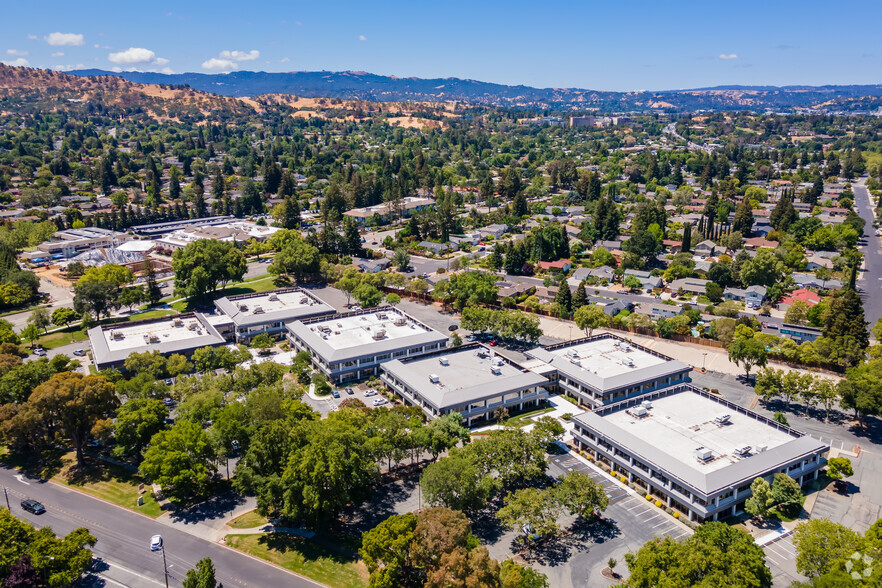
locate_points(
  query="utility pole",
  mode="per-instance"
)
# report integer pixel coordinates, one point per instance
(164, 565)
(6, 494)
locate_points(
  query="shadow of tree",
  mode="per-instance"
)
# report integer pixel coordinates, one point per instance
(218, 506)
(559, 549)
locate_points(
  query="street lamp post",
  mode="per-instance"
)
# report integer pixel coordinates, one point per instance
(164, 565)
(703, 358)
(6, 494)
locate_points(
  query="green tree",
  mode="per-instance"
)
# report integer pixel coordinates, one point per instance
(204, 265)
(787, 495)
(514, 575)
(748, 353)
(839, 468)
(564, 300)
(580, 298)
(61, 317)
(591, 317)
(298, 258)
(40, 319)
(387, 551)
(714, 292)
(262, 341)
(761, 501)
(581, 495)
(180, 459)
(95, 297)
(764, 270)
(716, 555)
(137, 421)
(820, 544)
(530, 508)
(30, 334)
(457, 483)
(401, 259)
(367, 295)
(202, 576)
(743, 222)
(76, 404)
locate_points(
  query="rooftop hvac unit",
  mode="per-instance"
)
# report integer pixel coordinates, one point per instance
(399, 321)
(178, 322)
(498, 361)
(639, 411)
(761, 448)
(304, 300)
(575, 361)
(434, 378)
(381, 334)
(273, 298)
(722, 419)
(703, 454)
(193, 326)
(381, 316)
(243, 307)
(154, 338)
(646, 404)
(117, 335)
(573, 353)
(496, 370)
(482, 352)
(443, 361)
(742, 451)
(258, 310)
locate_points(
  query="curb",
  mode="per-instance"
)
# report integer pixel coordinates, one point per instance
(222, 543)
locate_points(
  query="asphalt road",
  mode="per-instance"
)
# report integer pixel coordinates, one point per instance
(124, 537)
(871, 247)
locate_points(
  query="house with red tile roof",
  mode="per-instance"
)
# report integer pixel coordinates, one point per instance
(802, 294)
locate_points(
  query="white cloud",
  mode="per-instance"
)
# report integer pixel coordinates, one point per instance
(137, 56)
(728, 56)
(57, 39)
(239, 55)
(219, 64)
(17, 52)
(97, 46)
(33, 37)
(20, 62)
(67, 67)
(58, 54)
(285, 60)
(362, 38)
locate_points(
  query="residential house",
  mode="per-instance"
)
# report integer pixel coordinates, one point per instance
(371, 266)
(752, 296)
(647, 280)
(755, 243)
(673, 246)
(809, 297)
(609, 306)
(688, 285)
(705, 249)
(561, 265)
(814, 262)
(439, 248)
(495, 230)
(657, 311)
(804, 280)
(800, 333)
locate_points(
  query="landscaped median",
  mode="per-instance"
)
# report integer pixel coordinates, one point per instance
(305, 557)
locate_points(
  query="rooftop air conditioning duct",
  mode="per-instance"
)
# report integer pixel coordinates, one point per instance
(443, 361)
(722, 419)
(742, 451)
(434, 378)
(258, 310)
(703, 454)
(761, 448)
(646, 404)
(496, 370)
(273, 298)
(639, 411)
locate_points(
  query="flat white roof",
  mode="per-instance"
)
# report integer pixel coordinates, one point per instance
(683, 422)
(366, 329)
(608, 357)
(281, 305)
(357, 334)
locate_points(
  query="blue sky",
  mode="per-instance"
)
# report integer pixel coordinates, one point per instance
(598, 45)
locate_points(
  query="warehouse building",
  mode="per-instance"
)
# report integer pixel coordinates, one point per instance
(471, 380)
(695, 451)
(249, 315)
(352, 345)
(603, 369)
(182, 333)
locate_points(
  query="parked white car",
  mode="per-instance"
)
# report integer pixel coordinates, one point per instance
(380, 401)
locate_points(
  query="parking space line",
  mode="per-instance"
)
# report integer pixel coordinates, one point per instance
(785, 549)
(773, 559)
(652, 517)
(779, 554)
(660, 524)
(638, 505)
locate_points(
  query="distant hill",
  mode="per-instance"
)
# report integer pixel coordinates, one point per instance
(367, 86)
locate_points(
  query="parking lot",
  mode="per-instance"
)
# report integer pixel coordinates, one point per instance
(781, 559)
(328, 404)
(622, 504)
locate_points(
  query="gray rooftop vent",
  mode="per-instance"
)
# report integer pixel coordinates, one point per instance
(761, 448)
(380, 334)
(434, 378)
(742, 451)
(639, 412)
(722, 419)
(703, 454)
(443, 361)
(258, 310)
(273, 298)
(573, 353)
(646, 404)
(496, 370)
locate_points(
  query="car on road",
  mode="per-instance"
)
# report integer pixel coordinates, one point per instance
(371, 392)
(492, 343)
(335, 393)
(349, 390)
(168, 402)
(79, 352)
(156, 543)
(380, 401)
(32, 506)
(451, 328)
(39, 351)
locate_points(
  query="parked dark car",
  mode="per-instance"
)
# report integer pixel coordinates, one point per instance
(33, 506)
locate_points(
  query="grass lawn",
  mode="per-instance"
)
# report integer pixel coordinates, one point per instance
(304, 557)
(110, 482)
(255, 285)
(63, 337)
(249, 520)
(522, 420)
